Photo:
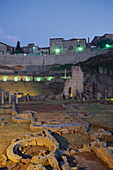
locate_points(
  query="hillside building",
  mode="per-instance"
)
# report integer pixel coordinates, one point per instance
(97, 39)
(61, 46)
(32, 49)
(6, 49)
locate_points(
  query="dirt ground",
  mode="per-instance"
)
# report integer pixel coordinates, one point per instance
(41, 108)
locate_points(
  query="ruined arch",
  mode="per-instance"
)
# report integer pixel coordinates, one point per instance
(17, 68)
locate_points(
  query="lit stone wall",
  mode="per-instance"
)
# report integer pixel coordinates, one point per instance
(33, 61)
(61, 46)
(76, 82)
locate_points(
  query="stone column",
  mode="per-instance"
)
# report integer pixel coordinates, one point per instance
(16, 97)
(65, 74)
(10, 93)
(13, 106)
(105, 94)
(2, 97)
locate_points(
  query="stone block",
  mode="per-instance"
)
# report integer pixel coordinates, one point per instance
(39, 160)
(103, 153)
(74, 168)
(86, 147)
(25, 161)
(14, 140)
(53, 161)
(65, 130)
(110, 148)
(59, 133)
(81, 150)
(5, 159)
(3, 124)
(66, 166)
(36, 167)
(14, 112)
(93, 144)
(73, 151)
(93, 137)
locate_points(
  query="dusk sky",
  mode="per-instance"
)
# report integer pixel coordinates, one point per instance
(39, 20)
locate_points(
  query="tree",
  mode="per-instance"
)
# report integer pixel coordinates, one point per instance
(18, 48)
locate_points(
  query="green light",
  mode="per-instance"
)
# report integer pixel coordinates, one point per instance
(33, 48)
(79, 49)
(28, 78)
(57, 51)
(66, 77)
(5, 78)
(108, 46)
(38, 78)
(15, 78)
(49, 78)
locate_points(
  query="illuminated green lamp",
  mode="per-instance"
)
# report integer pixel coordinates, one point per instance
(5, 78)
(28, 78)
(33, 48)
(57, 51)
(108, 46)
(49, 78)
(66, 77)
(79, 49)
(16, 78)
(38, 78)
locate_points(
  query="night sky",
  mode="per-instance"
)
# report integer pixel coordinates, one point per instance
(39, 20)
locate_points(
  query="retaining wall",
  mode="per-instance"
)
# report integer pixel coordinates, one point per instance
(34, 60)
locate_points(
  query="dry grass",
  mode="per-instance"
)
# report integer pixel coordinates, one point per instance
(11, 131)
(76, 138)
(58, 116)
(30, 88)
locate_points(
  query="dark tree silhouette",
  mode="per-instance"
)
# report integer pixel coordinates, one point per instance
(18, 48)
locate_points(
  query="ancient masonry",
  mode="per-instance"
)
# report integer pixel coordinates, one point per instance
(30, 63)
(49, 153)
(74, 86)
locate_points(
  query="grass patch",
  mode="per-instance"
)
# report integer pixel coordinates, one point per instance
(76, 138)
(103, 116)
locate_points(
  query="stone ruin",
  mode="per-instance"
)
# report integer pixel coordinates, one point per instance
(58, 127)
(48, 154)
(17, 150)
(41, 149)
(74, 87)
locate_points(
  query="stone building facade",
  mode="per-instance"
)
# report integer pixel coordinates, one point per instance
(96, 39)
(31, 49)
(3, 48)
(74, 86)
(101, 82)
(44, 51)
(61, 46)
(6, 49)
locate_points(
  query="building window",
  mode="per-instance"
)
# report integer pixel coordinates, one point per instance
(77, 45)
(71, 48)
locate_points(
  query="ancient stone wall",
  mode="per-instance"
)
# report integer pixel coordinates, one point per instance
(33, 60)
(75, 83)
(99, 83)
